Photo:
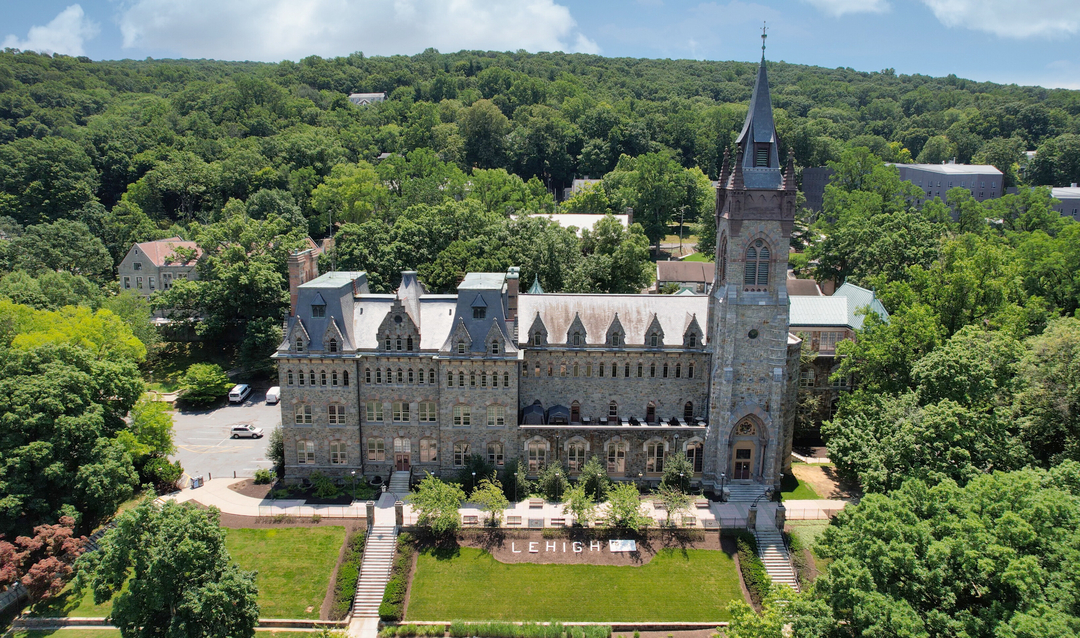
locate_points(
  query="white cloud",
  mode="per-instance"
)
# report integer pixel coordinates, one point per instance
(66, 34)
(837, 8)
(1010, 18)
(292, 29)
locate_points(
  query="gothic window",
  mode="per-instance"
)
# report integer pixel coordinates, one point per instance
(318, 310)
(303, 378)
(496, 416)
(615, 339)
(311, 377)
(723, 259)
(688, 411)
(575, 412)
(654, 457)
(506, 379)
(640, 370)
(378, 375)
(345, 378)
(665, 371)
(613, 411)
(626, 371)
(745, 428)
(654, 340)
(429, 451)
(305, 452)
(338, 455)
(652, 370)
(691, 341)
(332, 345)
(483, 379)
(431, 376)
(408, 344)
(412, 378)
(690, 371)
(461, 453)
(322, 377)
(376, 449)
(303, 414)
(472, 379)
(757, 264)
(495, 453)
(400, 376)
(461, 379)
(398, 343)
(577, 338)
(537, 455)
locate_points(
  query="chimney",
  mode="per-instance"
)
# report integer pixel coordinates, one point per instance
(513, 274)
(303, 267)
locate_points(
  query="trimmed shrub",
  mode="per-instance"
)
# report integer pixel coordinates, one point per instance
(393, 603)
(753, 570)
(460, 629)
(263, 477)
(348, 573)
(324, 485)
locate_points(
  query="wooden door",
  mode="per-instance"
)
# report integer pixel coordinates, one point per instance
(741, 469)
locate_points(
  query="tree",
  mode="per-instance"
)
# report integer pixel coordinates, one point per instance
(937, 150)
(43, 563)
(515, 480)
(784, 614)
(43, 180)
(674, 499)
(135, 310)
(350, 194)
(552, 481)
(678, 470)
(624, 508)
(63, 245)
(203, 383)
(275, 451)
(1049, 402)
(437, 504)
(580, 504)
(489, 496)
(484, 128)
(981, 560)
(616, 259)
(180, 580)
(594, 478)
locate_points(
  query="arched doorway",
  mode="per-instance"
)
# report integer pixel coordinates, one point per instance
(402, 453)
(745, 449)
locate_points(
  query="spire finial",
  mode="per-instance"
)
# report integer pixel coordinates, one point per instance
(764, 28)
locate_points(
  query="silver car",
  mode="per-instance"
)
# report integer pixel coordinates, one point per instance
(246, 430)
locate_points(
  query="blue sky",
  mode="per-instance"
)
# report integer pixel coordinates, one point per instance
(1012, 41)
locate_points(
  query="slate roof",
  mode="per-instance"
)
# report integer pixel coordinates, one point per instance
(696, 271)
(557, 311)
(839, 310)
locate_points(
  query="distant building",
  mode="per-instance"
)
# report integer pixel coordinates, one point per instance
(582, 221)
(984, 181)
(577, 186)
(363, 99)
(154, 265)
(1070, 201)
(695, 276)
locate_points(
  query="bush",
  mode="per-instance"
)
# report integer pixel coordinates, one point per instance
(324, 485)
(348, 573)
(204, 383)
(798, 557)
(263, 477)
(393, 603)
(753, 571)
(459, 629)
(162, 474)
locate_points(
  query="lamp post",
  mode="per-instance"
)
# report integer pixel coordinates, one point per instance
(516, 484)
(558, 487)
(599, 477)
(472, 488)
(780, 492)
(681, 478)
(353, 483)
(722, 478)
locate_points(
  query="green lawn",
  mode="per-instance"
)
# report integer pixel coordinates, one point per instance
(794, 489)
(294, 565)
(698, 257)
(695, 585)
(66, 603)
(807, 531)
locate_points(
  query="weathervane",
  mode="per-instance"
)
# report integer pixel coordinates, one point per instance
(764, 35)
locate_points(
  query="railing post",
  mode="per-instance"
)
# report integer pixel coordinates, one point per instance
(370, 514)
(781, 516)
(751, 518)
(399, 513)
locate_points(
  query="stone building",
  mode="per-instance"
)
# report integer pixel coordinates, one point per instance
(374, 383)
(150, 266)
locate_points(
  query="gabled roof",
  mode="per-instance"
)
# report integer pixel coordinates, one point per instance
(164, 250)
(695, 271)
(597, 311)
(840, 310)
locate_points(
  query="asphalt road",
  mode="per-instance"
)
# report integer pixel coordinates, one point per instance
(204, 446)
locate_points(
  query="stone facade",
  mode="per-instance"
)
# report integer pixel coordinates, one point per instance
(543, 377)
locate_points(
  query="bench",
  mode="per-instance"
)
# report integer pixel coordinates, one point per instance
(536, 503)
(513, 520)
(536, 523)
(558, 522)
(702, 503)
(470, 520)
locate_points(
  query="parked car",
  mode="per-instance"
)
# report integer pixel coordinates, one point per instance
(246, 430)
(273, 395)
(239, 393)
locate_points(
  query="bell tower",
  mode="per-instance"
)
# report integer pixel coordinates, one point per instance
(749, 433)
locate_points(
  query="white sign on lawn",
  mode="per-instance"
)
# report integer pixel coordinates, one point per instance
(622, 546)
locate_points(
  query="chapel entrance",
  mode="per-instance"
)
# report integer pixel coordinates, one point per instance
(402, 454)
(742, 463)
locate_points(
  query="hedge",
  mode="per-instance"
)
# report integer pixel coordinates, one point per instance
(753, 570)
(347, 575)
(393, 603)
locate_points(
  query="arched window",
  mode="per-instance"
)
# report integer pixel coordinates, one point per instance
(756, 271)
(461, 379)
(495, 452)
(723, 259)
(305, 452)
(408, 344)
(483, 379)
(538, 338)
(654, 457)
(614, 338)
(690, 370)
(311, 377)
(303, 378)
(429, 451)
(431, 376)
(299, 344)
(449, 378)
(575, 412)
(614, 370)
(650, 413)
(654, 340)
(322, 377)
(616, 458)
(378, 375)
(289, 376)
(400, 376)
(345, 378)
(460, 347)
(694, 455)
(472, 379)
(691, 341)
(577, 338)
(652, 370)
(665, 370)
(506, 379)
(332, 345)
(337, 453)
(688, 411)
(575, 455)
(411, 377)
(613, 411)
(678, 370)
(399, 343)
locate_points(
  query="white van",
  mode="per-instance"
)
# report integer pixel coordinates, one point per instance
(239, 393)
(273, 395)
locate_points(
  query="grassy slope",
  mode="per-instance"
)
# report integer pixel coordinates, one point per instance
(695, 585)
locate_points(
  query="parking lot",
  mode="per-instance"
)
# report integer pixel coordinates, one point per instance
(204, 446)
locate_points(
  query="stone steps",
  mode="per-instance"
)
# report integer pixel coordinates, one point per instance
(379, 552)
(774, 556)
(399, 484)
(738, 493)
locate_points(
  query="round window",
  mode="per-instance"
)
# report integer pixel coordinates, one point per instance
(752, 334)
(397, 318)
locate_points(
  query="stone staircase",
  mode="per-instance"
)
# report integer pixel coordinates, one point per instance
(744, 493)
(774, 555)
(399, 484)
(374, 571)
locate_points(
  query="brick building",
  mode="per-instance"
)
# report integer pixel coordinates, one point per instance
(372, 383)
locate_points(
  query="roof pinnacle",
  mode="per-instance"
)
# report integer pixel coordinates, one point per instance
(764, 35)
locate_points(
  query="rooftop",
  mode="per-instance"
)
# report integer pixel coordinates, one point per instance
(334, 279)
(483, 281)
(841, 309)
(953, 169)
(162, 252)
(1065, 192)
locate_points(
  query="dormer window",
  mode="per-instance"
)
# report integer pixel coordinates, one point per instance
(494, 347)
(318, 310)
(332, 345)
(577, 338)
(399, 343)
(386, 344)
(691, 341)
(461, 347)
(538, 338)
(479, 313)
(299, 344)
(654, 340)
(615, 338)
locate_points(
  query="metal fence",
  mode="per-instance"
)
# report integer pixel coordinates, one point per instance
(811, 514)
(307, 511)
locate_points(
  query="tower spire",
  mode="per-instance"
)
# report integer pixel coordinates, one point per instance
(758, 140)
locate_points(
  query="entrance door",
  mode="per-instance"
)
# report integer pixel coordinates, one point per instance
(741, 469)
(402, 454)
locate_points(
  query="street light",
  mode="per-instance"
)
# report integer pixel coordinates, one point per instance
(516, 484)
(722, 478)
(780, 492)
(473, 487)
(558, 487)
(353, 484)
(599, 478)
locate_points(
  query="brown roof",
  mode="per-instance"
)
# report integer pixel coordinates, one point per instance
(164, 250)
(696, 271)
(803, 287)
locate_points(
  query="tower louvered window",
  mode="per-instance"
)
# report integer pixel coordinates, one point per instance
(757, 265)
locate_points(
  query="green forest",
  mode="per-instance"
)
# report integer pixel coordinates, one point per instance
(963, 429)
